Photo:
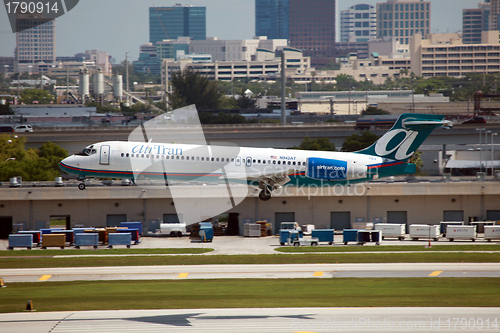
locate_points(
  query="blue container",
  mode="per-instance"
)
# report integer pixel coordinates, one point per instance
(209, 233)
(46, 231)
(20, 241)
(323, 235)
(37, 235)
(350, 235)
(285, 234)
(443, 225)
(133, 225)
(133, 232)
(70, 235)
(120, 239)
(87, 239)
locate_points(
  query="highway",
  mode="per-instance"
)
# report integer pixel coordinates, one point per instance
(289, 320)
(386, 270)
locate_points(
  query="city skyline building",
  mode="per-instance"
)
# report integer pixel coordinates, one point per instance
(177, 21)
(272, 18)
(35, 43)
(474, 22)
(313, 27)
(494, 14)
(358, 23)
(402, 19)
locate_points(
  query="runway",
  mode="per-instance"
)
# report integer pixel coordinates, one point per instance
(385, 270)
(293, 320)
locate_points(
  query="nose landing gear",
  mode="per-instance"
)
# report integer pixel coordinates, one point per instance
(81, 186)
(265, 194)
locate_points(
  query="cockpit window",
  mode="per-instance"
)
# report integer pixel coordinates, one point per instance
(85, 152)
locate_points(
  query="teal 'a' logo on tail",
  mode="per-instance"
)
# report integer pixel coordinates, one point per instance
(404, 138)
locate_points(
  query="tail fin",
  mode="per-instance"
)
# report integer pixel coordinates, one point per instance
(404, 138)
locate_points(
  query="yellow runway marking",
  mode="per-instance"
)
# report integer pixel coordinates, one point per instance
(435, 273)
(318, 274)
(183, 275)
(45, 277)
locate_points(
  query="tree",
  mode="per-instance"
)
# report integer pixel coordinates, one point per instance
(30, 164)
(190, 87)
(320, 144)
(28, 96)
(417, 160)
(357, 142)
(244, 101)
(372, 110)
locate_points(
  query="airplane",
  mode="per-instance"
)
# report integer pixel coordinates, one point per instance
(266, 168)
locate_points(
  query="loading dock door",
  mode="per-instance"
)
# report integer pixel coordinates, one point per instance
(340, 220)
(104, 155)
(399, 218)
(5, 227)
(453, 215)
(114, 220)
(493, 215)
(282, 217)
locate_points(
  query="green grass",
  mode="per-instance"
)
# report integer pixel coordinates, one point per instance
(307, 258)
(238, 293)
(73, 252)
(391, 248)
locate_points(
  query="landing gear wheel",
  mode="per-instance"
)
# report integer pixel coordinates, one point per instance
(265, 195)
(81, 186)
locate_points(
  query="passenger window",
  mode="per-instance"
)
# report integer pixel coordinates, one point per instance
(289, 163)
(254, 161)
(293, 163)
(177, 157)
(203, 158)
(142, 155)
(158, 156)
(232, 160)
(274, 162)
(217, 159)
(279, 162)
(127, 154)
(258, 161)
(298, 163)
(123, 154)
(147, 156)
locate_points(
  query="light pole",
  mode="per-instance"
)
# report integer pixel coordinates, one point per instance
(480, 146)
(493, 154)
(412, 96)
(486, 148)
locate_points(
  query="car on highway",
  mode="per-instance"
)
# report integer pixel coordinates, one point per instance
(4, 129)
(23, 128)
(475, 120)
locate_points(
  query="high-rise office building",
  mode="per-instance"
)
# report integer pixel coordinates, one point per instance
(358, 23)
(35, 43)
(177, 21)
(312, 27)
(474, 22)
(494, 15)
(272, 18)
(402, 19)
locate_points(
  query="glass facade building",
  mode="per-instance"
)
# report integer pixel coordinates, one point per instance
(272, 18)
(177, 21)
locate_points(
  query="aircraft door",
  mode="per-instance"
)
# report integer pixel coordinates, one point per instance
(104, 158)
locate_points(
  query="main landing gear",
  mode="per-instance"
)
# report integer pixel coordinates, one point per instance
(265, 194)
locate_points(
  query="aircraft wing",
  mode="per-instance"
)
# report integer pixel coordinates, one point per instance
(274, 179)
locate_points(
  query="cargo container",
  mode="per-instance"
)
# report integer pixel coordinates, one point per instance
(444, 224)
(206, 232)
(88, 239)
(251, 230)
(323, 235)
(467, 232)
(491, 232)
(20, 241)
(119, 239)
(350, 235)
(423, 231)
(133, 225)
(391, 230)
(289, 234)
(53, 240)
(133, 232)
(369, 236)
(37, 236)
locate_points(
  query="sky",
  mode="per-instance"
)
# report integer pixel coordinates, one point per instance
(120, 26)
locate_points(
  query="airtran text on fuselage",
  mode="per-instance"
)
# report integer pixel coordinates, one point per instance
(156, 149)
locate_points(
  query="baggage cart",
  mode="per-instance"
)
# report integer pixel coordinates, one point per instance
(54, 240)
(119, 239)
(350, 235)
(287, 234)
(369, 236)
(86, 239)
(424, 231)
(133, 225)
(391, 230)
(206, 232)
(444, 224)
(70, 235)
(133, 232)
(466, 232)
(324, 235)
(491, 232)
(17, 240)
